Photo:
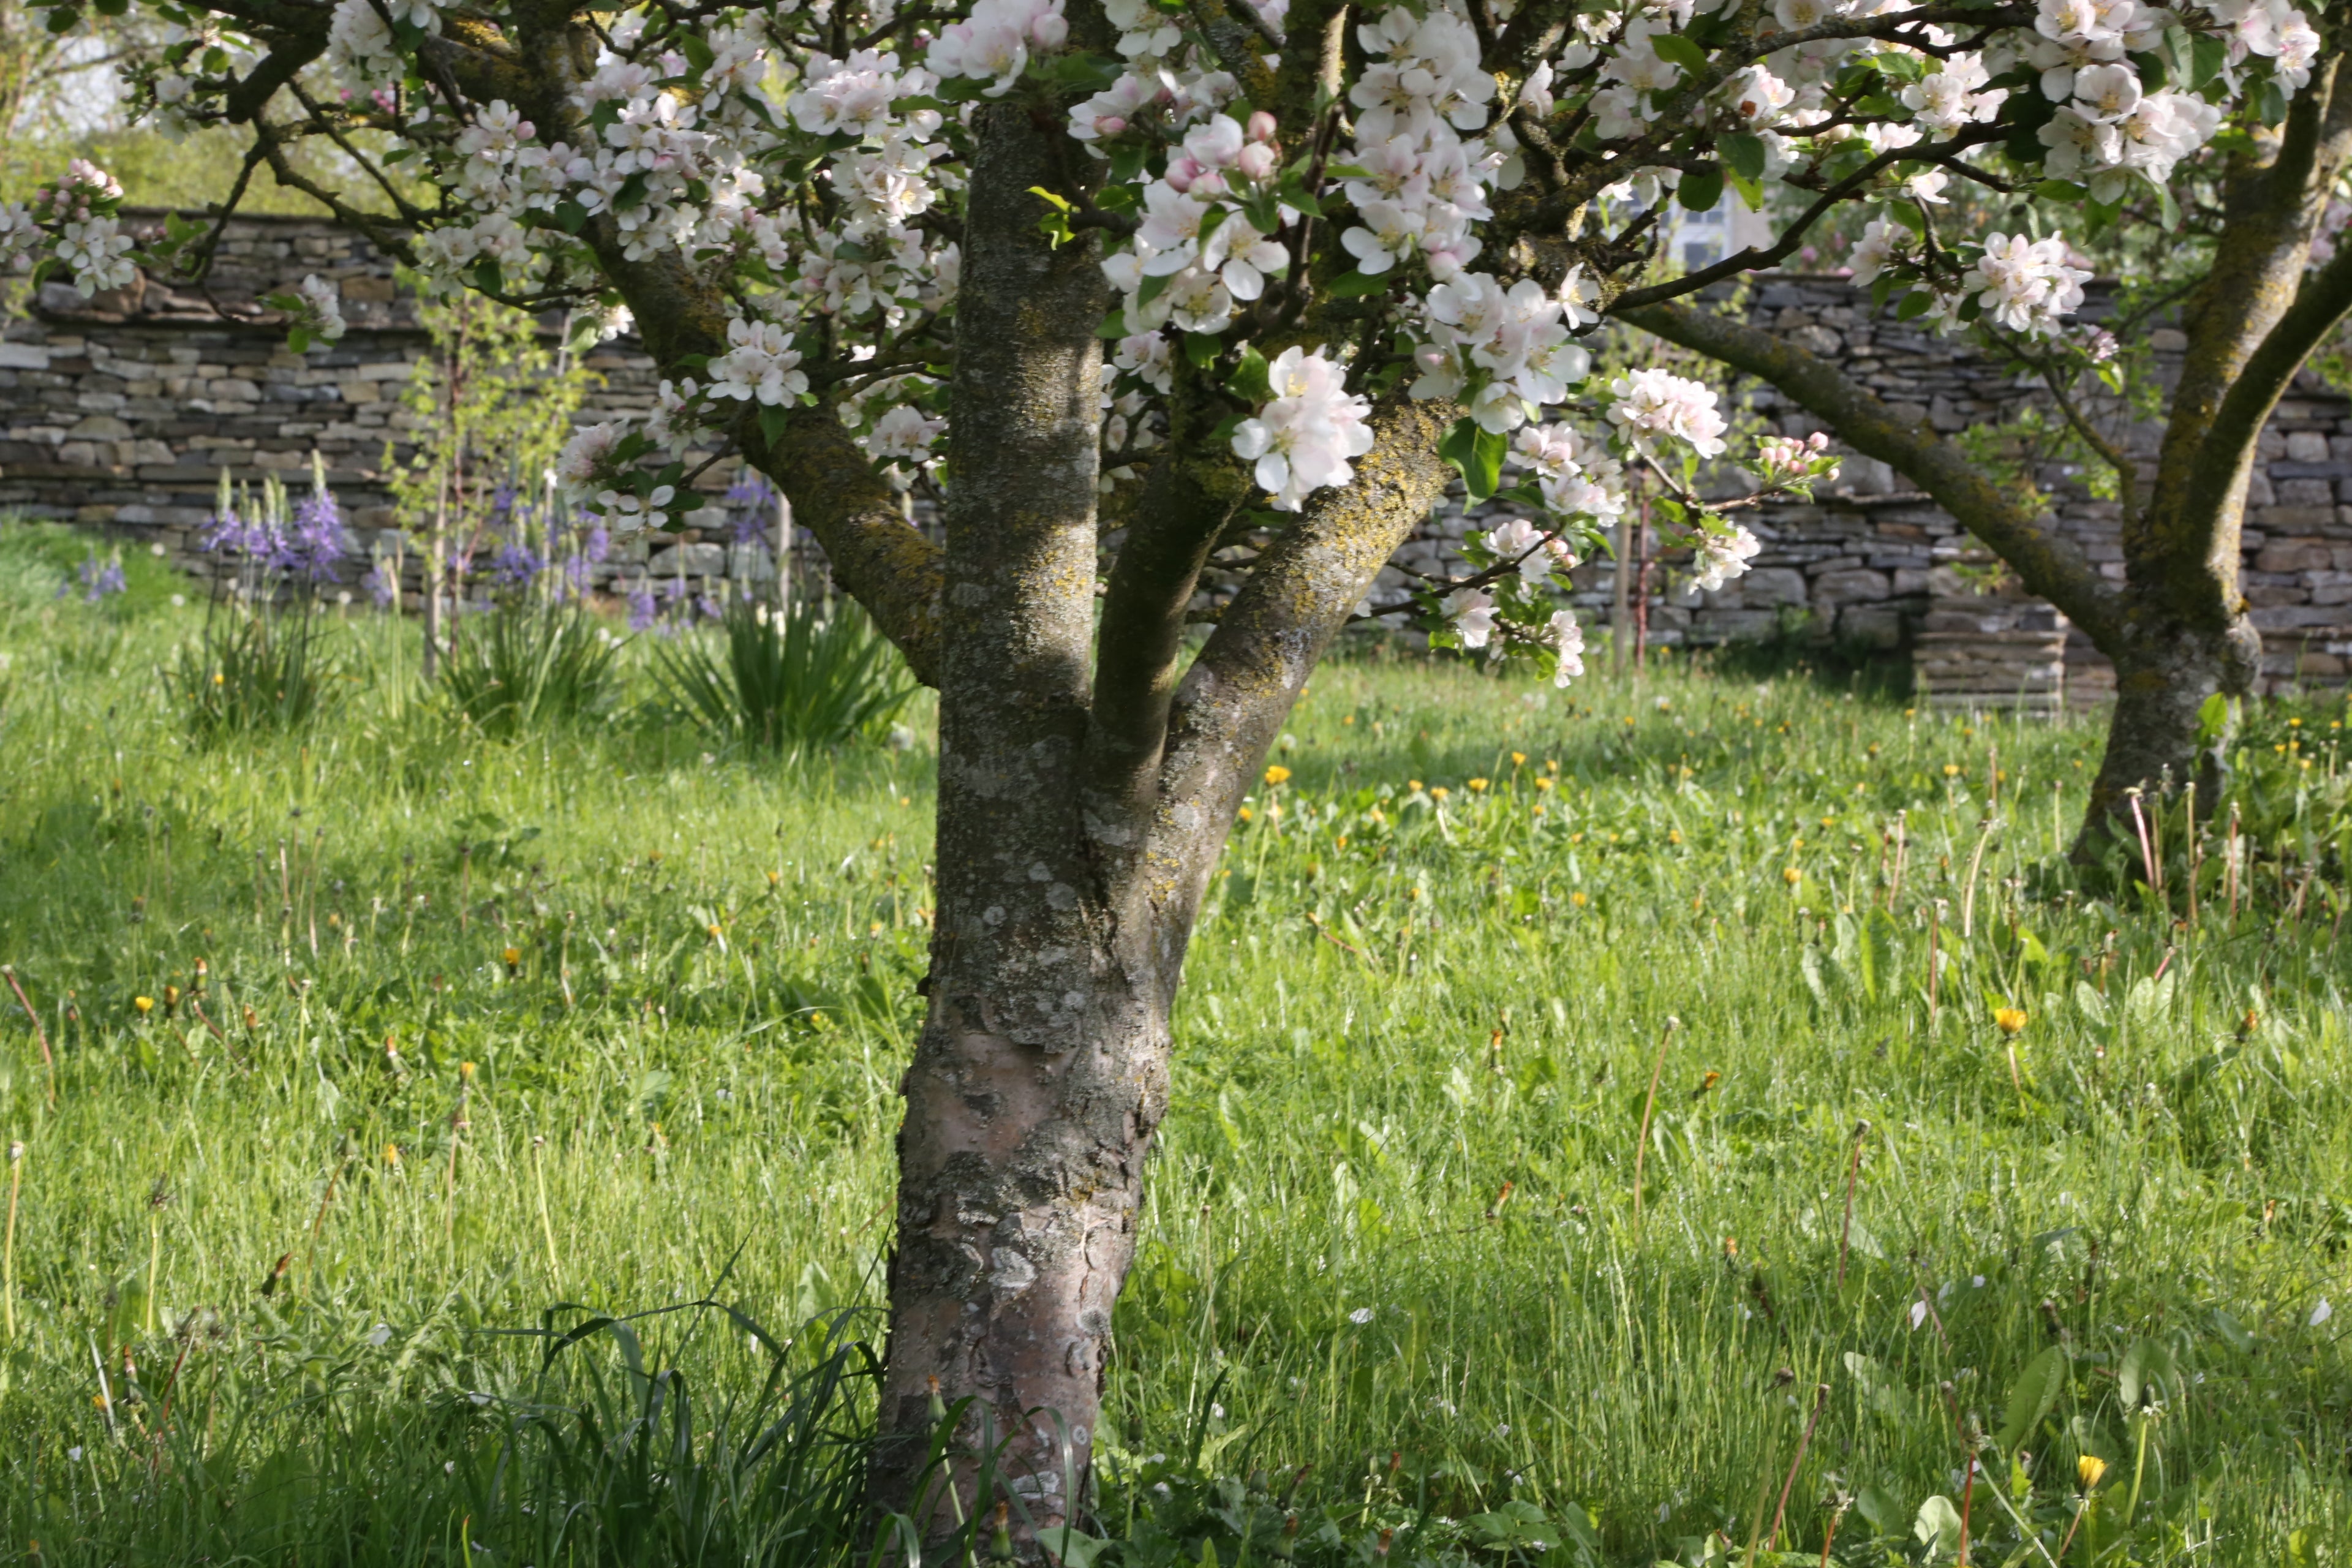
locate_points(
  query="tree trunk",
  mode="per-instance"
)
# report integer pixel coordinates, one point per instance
(2155, 734)
(1043, 1065)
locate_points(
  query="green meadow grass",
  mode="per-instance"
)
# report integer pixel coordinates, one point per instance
(608, 1016)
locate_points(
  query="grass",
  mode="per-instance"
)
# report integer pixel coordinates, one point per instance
(598, 1015)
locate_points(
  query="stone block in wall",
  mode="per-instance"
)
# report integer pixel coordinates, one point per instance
(1874, 625)
(1767, 586)
(2294, 555)
(1849, 586)
(690, 560)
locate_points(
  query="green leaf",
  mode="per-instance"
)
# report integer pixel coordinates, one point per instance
(1701, 189)
(1917, 303)
(2167, 210)
(772, 417)
(1937, 1526)
(2212, 719)
(1476, 455)
(1201, 347)
(1352, 285)
(62, 18)
(1249, 381)
(1114, 326)
(1743, 154)
(1060, 202)
(2061, 191)
(1678, 50)
(1071, 1548)
(2206, 55)
(2031, 1397)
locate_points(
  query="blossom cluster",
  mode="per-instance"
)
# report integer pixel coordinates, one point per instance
(1302, 439)
(802, 160)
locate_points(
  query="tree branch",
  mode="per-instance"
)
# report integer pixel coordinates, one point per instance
(1239, 691)
(2046, 561)
(1189, 495)
(2251, 323)
(884, 562)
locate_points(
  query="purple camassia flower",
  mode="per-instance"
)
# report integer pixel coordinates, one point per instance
(380, 586)
(232, 534)
(515, 567)
(751, 508)
(98, 579)
(314, 547)
(642, 611)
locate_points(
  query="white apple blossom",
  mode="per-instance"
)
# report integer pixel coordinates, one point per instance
(763, 365)
(1303, 438)
(1650, 405)
(1567, 636)
(2025, 285)
(1472, 614)
(1516, 542)
(1721, 557)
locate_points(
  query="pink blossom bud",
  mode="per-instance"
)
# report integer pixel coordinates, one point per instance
(1182, 170)
(1256, 160)
(1261, 126)
(1109, 125)
(1050, 30)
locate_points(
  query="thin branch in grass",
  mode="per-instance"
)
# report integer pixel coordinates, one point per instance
(48, 1062)
(1852, 1175)
(1642, 1141)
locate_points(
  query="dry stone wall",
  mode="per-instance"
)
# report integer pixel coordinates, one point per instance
(121, 411)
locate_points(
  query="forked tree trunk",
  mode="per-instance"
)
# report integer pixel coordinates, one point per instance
(1043, 1065)
(1085, 795)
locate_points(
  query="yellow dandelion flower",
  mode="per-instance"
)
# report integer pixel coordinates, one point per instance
(144, 1004)
(1951, 770)
(2010, 1020)
(1412, 785)
(1478, 786)
(1439, 793)
(1246, 815)
(1277, 775)
(1543, 783)
(1577, 898)
(2089, 1468)
(1793, 875)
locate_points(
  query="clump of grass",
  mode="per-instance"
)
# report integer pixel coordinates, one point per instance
(817, 674)
(521, 667)
(255, 669)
